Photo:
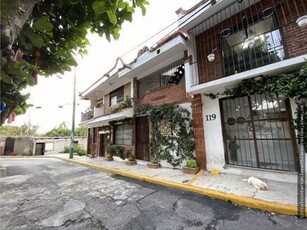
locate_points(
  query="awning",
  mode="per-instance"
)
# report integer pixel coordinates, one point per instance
(104, 120)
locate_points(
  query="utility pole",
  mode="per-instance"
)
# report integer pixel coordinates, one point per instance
(72, 135)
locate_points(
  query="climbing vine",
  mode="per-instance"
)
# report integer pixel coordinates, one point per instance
(172, 134)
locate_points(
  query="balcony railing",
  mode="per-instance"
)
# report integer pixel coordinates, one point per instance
(248, 34)
(98, 111)
(87, 116)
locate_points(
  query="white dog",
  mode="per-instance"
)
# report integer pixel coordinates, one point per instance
(258, 184)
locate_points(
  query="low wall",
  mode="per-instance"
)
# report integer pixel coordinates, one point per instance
(23, 145)
(54, 145)
(37, 145)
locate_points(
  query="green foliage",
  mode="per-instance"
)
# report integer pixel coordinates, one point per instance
(115, 150)
(179, 144)
(191, 163)
(52, 36)
(79, 149)
(81, 131)
(129, 156)
(64, 131)
(61, 131)
(27, 129)
(143, 109)
(127, 103)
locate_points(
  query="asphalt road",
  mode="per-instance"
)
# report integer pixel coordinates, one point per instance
(52, 194)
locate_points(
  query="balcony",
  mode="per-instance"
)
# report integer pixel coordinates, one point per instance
(98, 111)
(244, 37)
(86, 116)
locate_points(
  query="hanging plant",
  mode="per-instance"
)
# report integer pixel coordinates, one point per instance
(172, 134)
(127, 103)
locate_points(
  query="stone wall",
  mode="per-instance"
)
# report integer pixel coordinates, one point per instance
(48, 146)
(57, 145)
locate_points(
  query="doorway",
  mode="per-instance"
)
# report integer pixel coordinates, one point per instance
(142, 138)
(103, 140)
(39, 148)
(9, 145)
(258, 132)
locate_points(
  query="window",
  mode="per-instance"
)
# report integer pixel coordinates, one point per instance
(257, 132)
(251, 44)
(123, 134)
(117, 96)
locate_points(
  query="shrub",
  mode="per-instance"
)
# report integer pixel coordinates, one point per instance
(191, 164)
(79, 149)
(115, 150)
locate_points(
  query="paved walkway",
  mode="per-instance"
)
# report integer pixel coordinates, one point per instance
(230, 186)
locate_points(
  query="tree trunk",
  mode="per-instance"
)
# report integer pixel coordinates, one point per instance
(14, 14)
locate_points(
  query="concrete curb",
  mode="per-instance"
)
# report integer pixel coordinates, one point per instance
(244, 201)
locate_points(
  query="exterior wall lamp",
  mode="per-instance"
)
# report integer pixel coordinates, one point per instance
(302, 21)
(211, 56)
(250, 41)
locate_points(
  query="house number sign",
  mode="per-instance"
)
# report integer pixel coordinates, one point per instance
(211, 117)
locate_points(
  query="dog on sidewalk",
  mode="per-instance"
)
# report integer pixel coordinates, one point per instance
(258, 184)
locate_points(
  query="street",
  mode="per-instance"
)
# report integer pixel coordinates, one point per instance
(47, 193)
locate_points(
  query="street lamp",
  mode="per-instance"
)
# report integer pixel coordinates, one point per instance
(72, 135)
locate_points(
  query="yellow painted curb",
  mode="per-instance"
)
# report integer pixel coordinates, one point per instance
(244, 201)
(196, 176)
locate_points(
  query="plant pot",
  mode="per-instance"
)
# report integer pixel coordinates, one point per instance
(189, 170)
(302, 21)
(153, 165)
(130, 162)
(107, 158)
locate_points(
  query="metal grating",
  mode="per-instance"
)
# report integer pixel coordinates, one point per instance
(257, 132)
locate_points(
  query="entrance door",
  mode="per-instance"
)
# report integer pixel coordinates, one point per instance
(103, 138)
(9, 146)
(142, 138)
(258, 132)
(39, 148)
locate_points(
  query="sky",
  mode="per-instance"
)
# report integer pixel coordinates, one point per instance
(52, 97)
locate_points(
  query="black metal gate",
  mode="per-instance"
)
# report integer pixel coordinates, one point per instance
(257, 132)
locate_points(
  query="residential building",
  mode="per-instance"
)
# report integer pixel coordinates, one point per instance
(218, 44)
(233, 40)
(155, 77)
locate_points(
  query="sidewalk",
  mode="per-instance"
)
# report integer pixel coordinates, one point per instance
(280, 198)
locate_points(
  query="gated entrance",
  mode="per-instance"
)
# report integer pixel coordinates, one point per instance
(257, 132)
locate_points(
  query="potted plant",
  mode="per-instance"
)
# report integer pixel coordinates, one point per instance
(191, 167)
(130, 159)
(114, 150)
(153, 164)
(108, 157)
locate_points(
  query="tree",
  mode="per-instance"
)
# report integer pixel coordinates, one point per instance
(81, 131)
(44, 36)
(27, 129)
(63, 131)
